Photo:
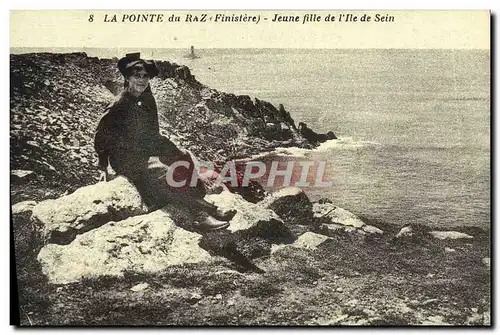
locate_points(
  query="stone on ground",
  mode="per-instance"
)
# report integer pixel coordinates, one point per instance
(291, 204)
(372, 230)
(337, 215)
(487, 262)
(21, 176)
(248, 214)
(449, 235)
(307, 240)
(143, 244)
(61, 219)
(405, 232)
(23, 207)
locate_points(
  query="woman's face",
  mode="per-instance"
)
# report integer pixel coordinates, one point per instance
(138, 81)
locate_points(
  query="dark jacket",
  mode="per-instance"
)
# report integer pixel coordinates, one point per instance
(128, 134)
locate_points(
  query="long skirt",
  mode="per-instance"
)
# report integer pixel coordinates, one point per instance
(157, 192)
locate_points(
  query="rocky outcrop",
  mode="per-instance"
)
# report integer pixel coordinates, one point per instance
(60, 220)
(131, 244)
(56, 101)
(314, 137)
(109, 224)
(142, 244)
(105, 230)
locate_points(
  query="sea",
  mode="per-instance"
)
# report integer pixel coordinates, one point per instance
(413, 124)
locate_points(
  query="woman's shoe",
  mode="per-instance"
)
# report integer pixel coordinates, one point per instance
(224, 215)
(214, 211)
(210, 223)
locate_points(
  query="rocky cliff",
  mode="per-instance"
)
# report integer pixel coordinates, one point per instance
(56, 101)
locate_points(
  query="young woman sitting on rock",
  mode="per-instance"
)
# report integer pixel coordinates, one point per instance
(128, 136)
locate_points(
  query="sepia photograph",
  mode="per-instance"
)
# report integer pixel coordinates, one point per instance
(250, 168)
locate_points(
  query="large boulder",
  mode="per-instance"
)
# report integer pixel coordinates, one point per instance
(291, 204)
(250, 234)
(60, 220)
(142, 244)
(248, 214)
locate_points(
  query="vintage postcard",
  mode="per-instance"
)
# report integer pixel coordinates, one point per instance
(233, 168)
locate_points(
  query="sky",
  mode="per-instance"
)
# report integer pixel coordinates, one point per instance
(411, 29)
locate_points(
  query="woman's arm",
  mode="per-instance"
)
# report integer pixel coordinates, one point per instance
(103, 140)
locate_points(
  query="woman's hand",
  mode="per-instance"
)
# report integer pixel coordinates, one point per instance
(103, 176)
(107, 175)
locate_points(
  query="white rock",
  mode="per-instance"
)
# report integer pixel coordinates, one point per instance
(310, 240)
(248, 214)
(449, 249)
(487, 261)
(449, 235)
(88, 207)
(139, 287)
(21, 176)
(337, 215)
(21, 173)
(307, 240)
(405, 232)
(372, 230)
(285, 192)
(435, 320)
(142, 244)
(195, 297)
(23, 207)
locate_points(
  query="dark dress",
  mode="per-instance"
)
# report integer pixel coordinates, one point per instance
(128, 136)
